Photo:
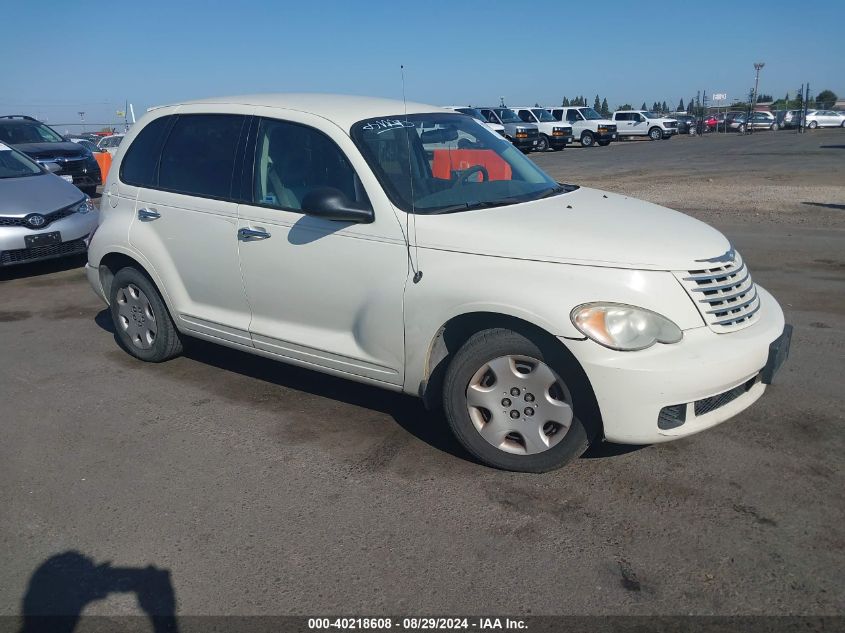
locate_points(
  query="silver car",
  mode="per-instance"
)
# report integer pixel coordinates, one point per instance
(824, 118)
(42, 216)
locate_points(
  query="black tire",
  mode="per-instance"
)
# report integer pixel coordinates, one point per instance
(167, 342)
(542, 143)
(655, 134)
(491, 344)
(813, 125)
(88, 191)
(603, 143)
(587, 139)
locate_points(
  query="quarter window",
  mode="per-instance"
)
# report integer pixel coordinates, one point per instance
(292, 160)
(139, 165)
(199, 155)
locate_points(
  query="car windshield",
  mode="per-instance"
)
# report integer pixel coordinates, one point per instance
(475, 114)
(507, 116)
(589, 114)
(13, 164)
(15, 132)
(445, 163)
(543, 115)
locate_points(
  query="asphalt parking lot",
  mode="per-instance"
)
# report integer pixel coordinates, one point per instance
(267, 489)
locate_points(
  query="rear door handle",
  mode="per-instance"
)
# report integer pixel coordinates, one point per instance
(148, 214)
(252, 234)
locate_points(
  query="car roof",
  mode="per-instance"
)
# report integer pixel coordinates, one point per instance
(344, 110)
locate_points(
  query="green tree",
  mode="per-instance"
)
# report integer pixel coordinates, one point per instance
(643, 106)
(681, 107)
(605, 110)
(597, 104)
(826, 99)
(565, 102)
(665, 107)
(626, 106)
(765, 98)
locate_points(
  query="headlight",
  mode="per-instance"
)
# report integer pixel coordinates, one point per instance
(623, 327)
(85, 206)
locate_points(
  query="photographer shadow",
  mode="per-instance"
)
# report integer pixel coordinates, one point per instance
(64, 584)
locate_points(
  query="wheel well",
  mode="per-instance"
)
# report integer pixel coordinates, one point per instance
(110, 264)
(455, 332)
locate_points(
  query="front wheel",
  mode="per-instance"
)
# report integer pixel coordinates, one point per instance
(542, 143)
(514, 405)
(604, 143)
(813, 125)
(142, 323)
(655, 134)
(587, 139)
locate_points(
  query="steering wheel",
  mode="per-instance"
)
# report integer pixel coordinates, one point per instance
(475, 169)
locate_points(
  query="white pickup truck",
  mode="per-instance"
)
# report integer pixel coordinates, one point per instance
(644, 123)
(588, 126)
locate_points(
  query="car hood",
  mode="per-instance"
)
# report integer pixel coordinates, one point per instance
(45, 151)
(36, 194)
(586, 226)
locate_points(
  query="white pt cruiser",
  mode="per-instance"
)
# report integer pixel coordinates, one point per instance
(409, 247)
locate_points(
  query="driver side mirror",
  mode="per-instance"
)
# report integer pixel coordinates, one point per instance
(331, 204)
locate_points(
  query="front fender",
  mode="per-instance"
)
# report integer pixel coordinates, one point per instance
(540, 293)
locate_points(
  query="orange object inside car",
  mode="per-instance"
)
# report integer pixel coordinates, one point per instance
(448, 161)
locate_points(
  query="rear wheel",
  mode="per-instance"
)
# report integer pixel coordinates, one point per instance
(542, 143)
(587, 139)
(142, 323)
(655, 134)
(514, 404)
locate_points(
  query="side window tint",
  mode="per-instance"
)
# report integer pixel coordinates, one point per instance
(291, 160)
(571, 116)
(199, 155)
(139, 164)
(524, 116)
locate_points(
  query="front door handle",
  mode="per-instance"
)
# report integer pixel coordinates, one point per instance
(252, 234)
(148, 214)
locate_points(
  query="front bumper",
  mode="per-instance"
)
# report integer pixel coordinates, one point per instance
(605, 136)
(559, 142)
(75, 231)
(669, 131)
(633, 387)
(525, 144)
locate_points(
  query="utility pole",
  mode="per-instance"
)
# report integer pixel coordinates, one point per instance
(757, 67)
(82, 118)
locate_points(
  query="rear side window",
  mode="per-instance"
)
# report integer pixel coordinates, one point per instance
(139, 164)
(199, 155)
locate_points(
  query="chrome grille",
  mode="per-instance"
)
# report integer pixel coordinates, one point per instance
(724, 292)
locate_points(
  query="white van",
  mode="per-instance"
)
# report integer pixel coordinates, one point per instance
(588, 126)
(553, 133)
(408, 247)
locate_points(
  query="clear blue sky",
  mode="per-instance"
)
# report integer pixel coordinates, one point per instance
(62, 57)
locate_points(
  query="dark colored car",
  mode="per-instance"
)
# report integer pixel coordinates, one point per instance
(686, 123)
(45, 146)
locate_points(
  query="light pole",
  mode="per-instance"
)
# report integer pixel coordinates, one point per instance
(757, 67)
(82, 118)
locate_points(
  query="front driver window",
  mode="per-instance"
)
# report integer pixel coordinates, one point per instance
(292, 160)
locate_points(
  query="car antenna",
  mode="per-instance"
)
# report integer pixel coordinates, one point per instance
(418, 274)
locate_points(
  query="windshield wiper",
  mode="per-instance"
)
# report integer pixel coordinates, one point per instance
(469, 206)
